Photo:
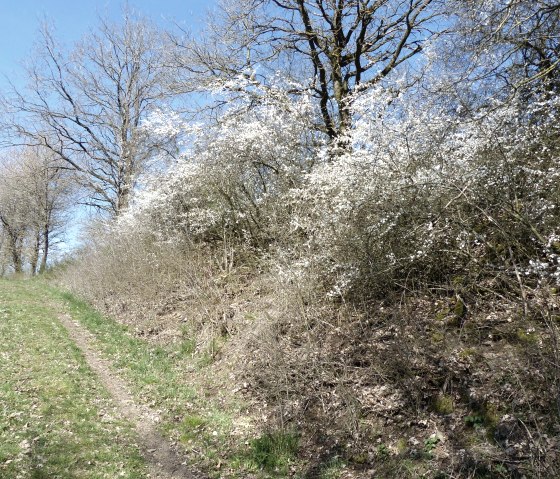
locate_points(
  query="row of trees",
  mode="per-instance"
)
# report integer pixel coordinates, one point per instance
(102, 108)
(35, 189)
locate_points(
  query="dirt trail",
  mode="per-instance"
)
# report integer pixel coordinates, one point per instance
(164, 461)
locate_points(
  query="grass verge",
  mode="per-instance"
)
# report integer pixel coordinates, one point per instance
(208, 427)
(56, 419)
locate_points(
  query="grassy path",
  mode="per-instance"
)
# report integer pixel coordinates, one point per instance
(164, 461)
(62, 414)
(81, 397)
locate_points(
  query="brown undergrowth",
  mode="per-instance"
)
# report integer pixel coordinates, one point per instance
(426, 383)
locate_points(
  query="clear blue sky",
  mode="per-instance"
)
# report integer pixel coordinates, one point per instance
(72, 18)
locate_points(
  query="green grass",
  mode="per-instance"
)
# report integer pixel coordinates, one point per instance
(150, 369)
(333, 469)
(273, 452)
(56, 419)
(160, 378)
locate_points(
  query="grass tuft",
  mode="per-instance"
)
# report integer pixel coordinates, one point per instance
(274, 451)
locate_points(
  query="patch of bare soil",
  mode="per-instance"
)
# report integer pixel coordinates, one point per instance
(163, 459)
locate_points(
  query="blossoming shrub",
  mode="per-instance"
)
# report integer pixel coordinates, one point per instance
(282, 259)
(426, 198)
(231, 181)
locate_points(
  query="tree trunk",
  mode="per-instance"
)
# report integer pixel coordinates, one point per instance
(16, 258)
(44, 259)
(35, 256)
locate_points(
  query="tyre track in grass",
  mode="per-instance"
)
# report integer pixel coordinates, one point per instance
(164, 460)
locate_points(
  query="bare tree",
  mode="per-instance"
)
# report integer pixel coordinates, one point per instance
(15, 210)
(50, 187)
(87, 105)
(333, 47)
(507, 46)
(4, 253)
(35, 190)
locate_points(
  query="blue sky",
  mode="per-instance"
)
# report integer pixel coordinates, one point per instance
(20, 20)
